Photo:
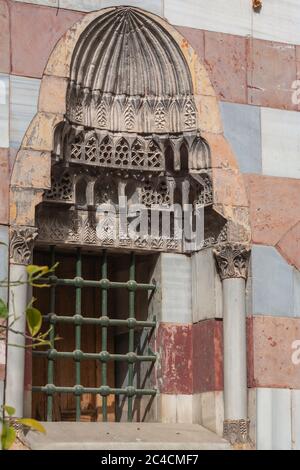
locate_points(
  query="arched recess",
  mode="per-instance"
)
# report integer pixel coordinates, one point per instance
(65, 102)
(31, 174)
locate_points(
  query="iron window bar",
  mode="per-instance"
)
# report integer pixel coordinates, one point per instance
(104, 357)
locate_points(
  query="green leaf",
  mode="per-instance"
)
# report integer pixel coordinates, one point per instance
(34, 320)
(3, 309)
(33, 424)
(9, 410)
(34, 270)
(8, 436)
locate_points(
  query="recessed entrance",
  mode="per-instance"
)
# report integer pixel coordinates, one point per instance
(100, 365)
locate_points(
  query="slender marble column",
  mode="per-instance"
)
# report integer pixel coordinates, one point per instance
(232, 262)
(21, 243)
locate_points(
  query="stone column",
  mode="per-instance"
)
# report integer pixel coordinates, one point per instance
(232, 262)
(21, 244)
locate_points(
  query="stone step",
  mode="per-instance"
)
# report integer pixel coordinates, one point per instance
(125, 436)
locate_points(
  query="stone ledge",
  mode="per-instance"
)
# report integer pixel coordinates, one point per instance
(125, 436)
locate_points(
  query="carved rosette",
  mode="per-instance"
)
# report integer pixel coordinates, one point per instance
(232, 261)
(21, 244)
(236, 431)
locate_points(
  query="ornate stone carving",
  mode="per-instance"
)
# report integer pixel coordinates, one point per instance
(145, 86)
(155, 194)
(108, 150)
(125, 117)
(21, 244)
(232, 261)
(237, 431)
(61, 187)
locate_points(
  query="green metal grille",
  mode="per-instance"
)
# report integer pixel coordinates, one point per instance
(103, 322)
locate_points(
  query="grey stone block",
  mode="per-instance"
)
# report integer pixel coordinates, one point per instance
(23, 106)
(296, 288)
(4, 110)
(272, 283)
(242, 128)
(206, 287)
(176, 288)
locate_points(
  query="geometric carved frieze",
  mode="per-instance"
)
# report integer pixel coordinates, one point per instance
(232, 260)
(147, 152)
(21, 244)
(78, 227)
(237, 431)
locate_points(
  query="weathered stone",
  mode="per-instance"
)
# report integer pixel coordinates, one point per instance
(289, 245)
(4, 110)
(272, 352)
(52, 97)
(209, 114)
(4, 37)
(207, 356)
(4, 185)
(174, 345)
(22, 205)
(222, 155)
(272, 70)
(195, 37)
(32, 170)
(274, 207)
(40, 134)
(34, 32)
(229, 188)
(225, 56)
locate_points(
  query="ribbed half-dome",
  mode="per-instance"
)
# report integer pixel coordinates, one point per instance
(128, 73)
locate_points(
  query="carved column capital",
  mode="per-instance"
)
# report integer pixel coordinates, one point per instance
(237, 431)
(21, 244)
(232, 261)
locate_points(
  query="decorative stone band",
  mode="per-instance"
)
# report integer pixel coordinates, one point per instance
(232, 261)
(21, 243)
(236, 431)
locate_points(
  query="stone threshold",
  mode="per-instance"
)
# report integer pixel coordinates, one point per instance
(125, 436)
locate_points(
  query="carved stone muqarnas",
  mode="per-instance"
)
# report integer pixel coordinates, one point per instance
(21, 244)
(232, 261)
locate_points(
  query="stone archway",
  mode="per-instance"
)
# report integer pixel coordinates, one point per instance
(32, 171)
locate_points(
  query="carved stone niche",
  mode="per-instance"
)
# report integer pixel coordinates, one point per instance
(130, 132)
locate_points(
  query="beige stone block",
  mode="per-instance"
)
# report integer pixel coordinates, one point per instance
(222, 155)
(52, 97)
(39, 135)
(202, 81)
(229, 188)
(22, 205)
(209, 115)
(32, 170)
(167, 408)
(184, 408)
(197, 410)
(212, 411)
